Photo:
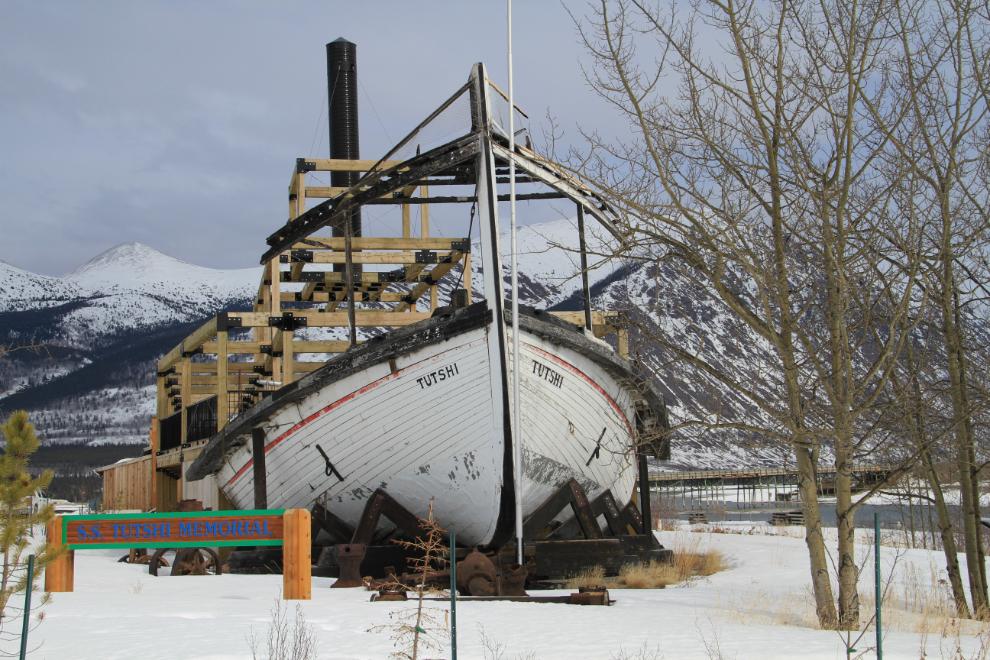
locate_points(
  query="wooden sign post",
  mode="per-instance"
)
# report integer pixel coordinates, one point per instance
(199, 529)
(59, 573)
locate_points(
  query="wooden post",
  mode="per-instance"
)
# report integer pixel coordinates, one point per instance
(60, 573)
(297, 563)
(288, 373)
(154, 462)
(161, 403)
(223, 400)
(186, 393)
(406, 229)
(275, 302)
(466, 280)
(623, 342)
(300, 194)
(260, 472)
(349, 281)
(424, 213)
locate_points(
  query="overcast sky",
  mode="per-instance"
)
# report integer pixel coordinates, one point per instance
(177, 124)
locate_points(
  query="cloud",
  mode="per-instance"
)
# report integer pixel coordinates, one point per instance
(177, 124)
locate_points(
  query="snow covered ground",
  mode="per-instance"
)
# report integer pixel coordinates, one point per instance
(758, 608)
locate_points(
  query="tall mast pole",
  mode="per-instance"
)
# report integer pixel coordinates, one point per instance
(516, 408)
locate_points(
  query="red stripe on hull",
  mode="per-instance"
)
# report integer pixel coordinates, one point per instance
(333, 406)
(580, 374)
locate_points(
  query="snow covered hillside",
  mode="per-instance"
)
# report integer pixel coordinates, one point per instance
(108, 321)
(102, 327)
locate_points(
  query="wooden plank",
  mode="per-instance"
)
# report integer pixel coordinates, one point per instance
(328, 192)
(171, 359)
(363, 258)
(438, 271)
(297, 562)
(328, 346)
(222, 398)
(375, 243)
(424, 213)
(577, 318)
(341, 165)
(301, 193)
(275, 364)
(288, 374)
(186, 392)
(466, 280)
(162, 408)
(235, 347)
(365, 318)
(205, 332)
(623, 342)
(154, 465)
(331, 277)
(232, 368)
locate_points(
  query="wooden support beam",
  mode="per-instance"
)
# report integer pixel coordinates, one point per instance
(205, 332)
(60, 573)
(375, 243)
(186, 394)
(623, 342)
(275, 309)
(438, 271)
(328, 192)
(317, 319)
(234, 347)
(154, 460)
(232, 367)
(222, 399)
(301, 194)
(297, 562)
(288, 373)
(341, 165)
(162, 409)
(466, 280)
(424, 213)
(327, 257)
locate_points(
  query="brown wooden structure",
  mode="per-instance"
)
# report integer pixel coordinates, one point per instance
(211, 376)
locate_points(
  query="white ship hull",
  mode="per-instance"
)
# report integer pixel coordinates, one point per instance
(423, 425)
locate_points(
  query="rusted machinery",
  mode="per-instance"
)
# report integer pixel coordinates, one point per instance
(554, 550)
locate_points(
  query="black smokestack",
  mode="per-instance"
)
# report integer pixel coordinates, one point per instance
(342, 89)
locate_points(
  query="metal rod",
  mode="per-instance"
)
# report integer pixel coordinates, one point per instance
(453, 598)
(27, 606)
(516, 416)
(876, 580)
(584, 268)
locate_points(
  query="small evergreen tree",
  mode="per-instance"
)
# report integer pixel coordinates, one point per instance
(17, 517)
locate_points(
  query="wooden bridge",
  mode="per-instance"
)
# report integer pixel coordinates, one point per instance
(860, 472)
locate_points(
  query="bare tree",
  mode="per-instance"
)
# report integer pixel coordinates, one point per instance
(940, 80)
(762, 172)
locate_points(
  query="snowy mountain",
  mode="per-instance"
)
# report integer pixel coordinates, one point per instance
(108, 321)
(102, 327)
(21, 290)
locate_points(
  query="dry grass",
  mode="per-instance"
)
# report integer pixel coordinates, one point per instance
(688, 563)
(919, 602)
